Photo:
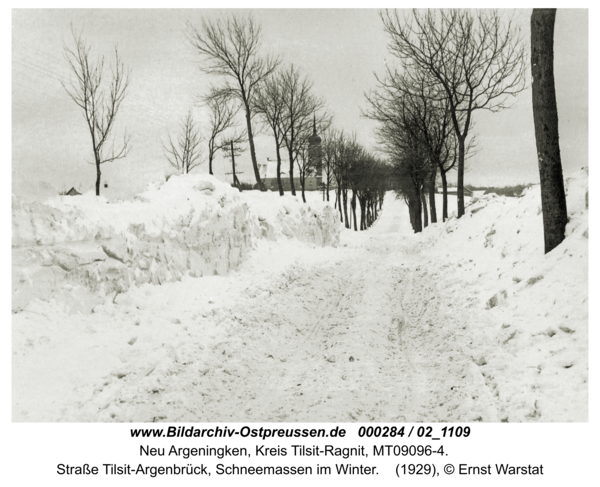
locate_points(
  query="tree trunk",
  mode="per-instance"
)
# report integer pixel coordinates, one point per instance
(291, 155)
(432, 207)
(412, 215)
(444, 195)
(210, 165)
(261, 186)
(361, 201)
(418, 219)
(302, 181)
(345, 197)
(424, 204)
(279, 183)
(350, 216)
(545, 119)
(353, 204)
(339, 200)
(98, 174)
(460, 191)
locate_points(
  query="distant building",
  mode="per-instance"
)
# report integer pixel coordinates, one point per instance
(268, 170)
(454, 191)
(72, 192)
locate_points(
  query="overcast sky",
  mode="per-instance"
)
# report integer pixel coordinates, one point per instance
(339, 50)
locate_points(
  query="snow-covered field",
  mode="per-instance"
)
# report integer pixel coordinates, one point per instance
(468, 321)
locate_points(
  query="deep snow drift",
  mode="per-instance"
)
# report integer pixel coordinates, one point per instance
(525, 312)
(79, 250)
(468, 321)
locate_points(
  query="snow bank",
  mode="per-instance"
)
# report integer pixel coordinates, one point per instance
(529, 309)
(79, 250)
(312, 222)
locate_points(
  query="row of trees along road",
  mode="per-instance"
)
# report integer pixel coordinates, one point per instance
(355, 171)
(454, 63)
(288, 108)
(230, 50)
(280, 97)
(415, 131)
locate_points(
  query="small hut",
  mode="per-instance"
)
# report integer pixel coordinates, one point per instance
(72, 192)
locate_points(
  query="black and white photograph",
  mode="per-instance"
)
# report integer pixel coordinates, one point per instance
(299, 216)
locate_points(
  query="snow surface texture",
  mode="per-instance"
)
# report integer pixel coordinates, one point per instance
(467, 321)
(525, 319)
(78, 250)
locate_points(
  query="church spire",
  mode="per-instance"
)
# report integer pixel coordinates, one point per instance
(314, 150)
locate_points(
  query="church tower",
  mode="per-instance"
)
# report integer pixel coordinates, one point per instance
(315, 153)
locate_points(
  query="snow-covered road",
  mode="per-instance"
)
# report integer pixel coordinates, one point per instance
(380, 329)
(351, 334)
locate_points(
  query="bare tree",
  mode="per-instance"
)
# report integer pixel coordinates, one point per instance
(339, 146)
(407, 178)
(231, 49)
(305, 165)
(186, 153)
(356, 177)
(401, 138)
(269, 102)
(368, 181)
(399, 96)
(347, 154)
(328, 144)
(99, 104)
(400, 102)
(222, 118)
(300, 108)
(371, 189)
(477, 61)
(308, 157)
(545, 118)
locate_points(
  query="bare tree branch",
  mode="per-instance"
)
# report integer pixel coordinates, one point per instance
(478, 59)
(99, 105)
(299, 108)
(220, 102)
(230, 49)
(185, 154)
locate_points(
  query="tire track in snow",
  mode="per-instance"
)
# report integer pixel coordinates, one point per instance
(443, 383)
(412, 384)
(325, 373)
(306, 358)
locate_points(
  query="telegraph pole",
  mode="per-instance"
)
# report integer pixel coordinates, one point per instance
(233, 151)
